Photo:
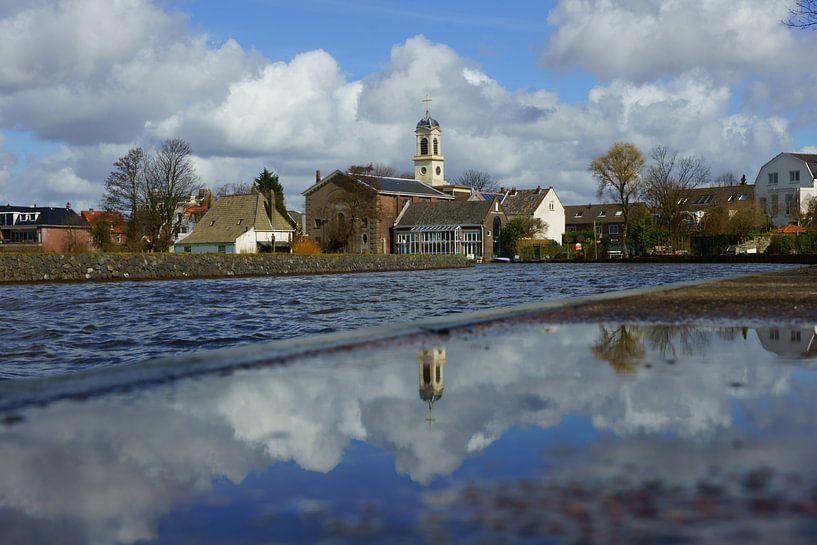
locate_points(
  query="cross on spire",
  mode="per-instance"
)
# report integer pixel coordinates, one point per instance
(428, 108)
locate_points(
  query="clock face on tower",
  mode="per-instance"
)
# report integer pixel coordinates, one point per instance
(423, 170)
(439, 170)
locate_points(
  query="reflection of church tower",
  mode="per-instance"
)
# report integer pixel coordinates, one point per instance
(429, 160)
(431, 364)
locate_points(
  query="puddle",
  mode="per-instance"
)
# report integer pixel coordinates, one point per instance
(617, 433)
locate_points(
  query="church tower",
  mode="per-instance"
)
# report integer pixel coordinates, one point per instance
(431, 364)
(429, 160)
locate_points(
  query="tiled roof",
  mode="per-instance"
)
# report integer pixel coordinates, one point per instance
(233, 215)
(702, 198)
(48, 215)
(402, 186)
(384, 185)
(114, 218)
(445, 213)
(808, 158)
(600, 213)
(523, 202)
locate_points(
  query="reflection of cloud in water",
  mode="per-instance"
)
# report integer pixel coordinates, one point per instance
(112, 467)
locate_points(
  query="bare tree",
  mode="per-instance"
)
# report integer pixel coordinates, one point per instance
(170, 178)
(668, 181)
(803, 14)
(477, 179)
(122, 190)
(726, 179)
(618, 173)
(621, 347)
(371, 169)
(238, 188)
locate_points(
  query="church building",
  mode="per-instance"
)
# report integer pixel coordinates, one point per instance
(351, 212)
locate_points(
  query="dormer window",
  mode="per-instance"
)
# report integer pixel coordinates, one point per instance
(603, 213)
(618, 212)
(579, 214)
(212, 222)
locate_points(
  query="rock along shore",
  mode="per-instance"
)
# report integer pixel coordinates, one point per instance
(106, 267)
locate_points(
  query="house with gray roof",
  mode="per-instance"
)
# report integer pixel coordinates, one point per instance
(355, 213)
(540, 203)
(471, 228)
(784, 186)
(52, 229)
(239, 224)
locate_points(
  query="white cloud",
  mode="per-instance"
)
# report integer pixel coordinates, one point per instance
(242, 112)
(647, 39)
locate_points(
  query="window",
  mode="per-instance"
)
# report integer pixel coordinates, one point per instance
(472, 243)
(763, 205)
(774, 334)
(789, 203)
(239, 221)
(775, 205)
(579, 214)
(571, 228)
(603, 214)
(731, 198)
(317, 222)
(794, 176)
(795, 336)
(438, 171)
(619, 212)
(365, 238)
(772, 178)
(188, 249)
(436, 148)
(743, 197)
(424, 146)
(222, 249)
(212, 222)
(612, 229)
(551, 207)
(705, 199)
(683, 200)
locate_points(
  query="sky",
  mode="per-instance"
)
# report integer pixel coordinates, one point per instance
(529, 92)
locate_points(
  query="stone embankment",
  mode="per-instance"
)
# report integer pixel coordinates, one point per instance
(94, 267)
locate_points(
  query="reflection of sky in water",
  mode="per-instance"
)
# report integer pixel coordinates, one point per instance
(340, 446)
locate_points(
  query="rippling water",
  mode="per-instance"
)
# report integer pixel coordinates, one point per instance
(50, 329)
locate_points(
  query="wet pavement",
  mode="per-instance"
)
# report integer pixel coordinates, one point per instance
(503, 427)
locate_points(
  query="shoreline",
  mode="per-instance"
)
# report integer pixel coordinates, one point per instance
(81, 268)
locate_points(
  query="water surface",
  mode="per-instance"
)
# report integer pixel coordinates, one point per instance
(51, 329)
(611, 433)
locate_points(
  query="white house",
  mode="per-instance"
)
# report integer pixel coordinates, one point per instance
(539, 203)
(241, 224)
(785, 184)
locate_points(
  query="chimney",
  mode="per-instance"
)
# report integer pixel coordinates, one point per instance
(317, 176)
(502, 190)
(538, 189)
(68, 205)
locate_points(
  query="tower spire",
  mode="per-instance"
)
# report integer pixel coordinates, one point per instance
(428, 106)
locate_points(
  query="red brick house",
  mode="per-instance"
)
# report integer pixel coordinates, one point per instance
(26, 228)
(114, 219)
(356, 213)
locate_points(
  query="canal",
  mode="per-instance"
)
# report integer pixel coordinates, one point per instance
(51, 329)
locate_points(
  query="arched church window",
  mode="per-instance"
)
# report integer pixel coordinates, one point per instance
(436, 147)
(341, 218)
(424, 146)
